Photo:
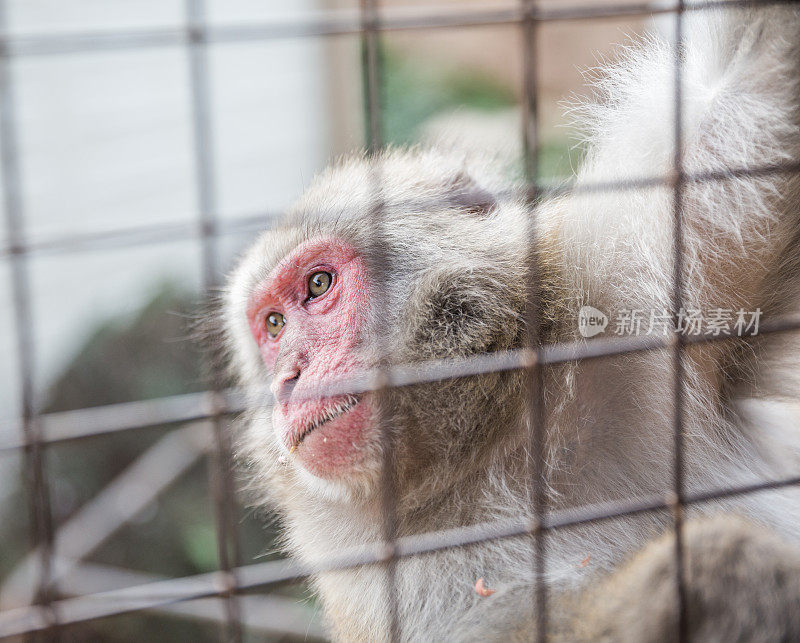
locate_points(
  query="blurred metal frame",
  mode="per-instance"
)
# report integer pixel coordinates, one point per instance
(36, 431)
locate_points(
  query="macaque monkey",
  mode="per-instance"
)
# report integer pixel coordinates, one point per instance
(410, 256)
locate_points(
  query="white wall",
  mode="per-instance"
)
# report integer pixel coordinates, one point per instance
(106, 144)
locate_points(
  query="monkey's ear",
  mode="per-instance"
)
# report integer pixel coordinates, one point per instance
(456, 311)
(465, 193)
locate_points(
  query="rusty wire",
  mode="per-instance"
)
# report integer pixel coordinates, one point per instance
(678, 348)
(222, 471)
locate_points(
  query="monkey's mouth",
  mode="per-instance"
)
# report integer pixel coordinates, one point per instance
(322, 417)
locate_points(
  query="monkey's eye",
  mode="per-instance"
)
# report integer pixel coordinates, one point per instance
(274, 322)
(318, 283)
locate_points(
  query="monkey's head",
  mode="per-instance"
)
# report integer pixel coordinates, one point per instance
(322, 297)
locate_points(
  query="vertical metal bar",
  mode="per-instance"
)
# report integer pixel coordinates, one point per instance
(372, 72)
(34, 473)
(678, 351)
(536, 413)
(530, 124)
(221, 475)
(373, 82)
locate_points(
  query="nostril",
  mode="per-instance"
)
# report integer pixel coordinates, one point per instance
(286, 387)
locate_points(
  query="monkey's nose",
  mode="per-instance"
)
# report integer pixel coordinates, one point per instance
(284, 386)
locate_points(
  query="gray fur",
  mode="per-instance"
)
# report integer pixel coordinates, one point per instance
(742, 583)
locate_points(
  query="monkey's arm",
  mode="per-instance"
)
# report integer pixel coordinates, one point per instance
(741, 237)
(741, 581)
(738, 114)
(742, 584)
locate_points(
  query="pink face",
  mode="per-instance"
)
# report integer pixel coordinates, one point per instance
(306, 316)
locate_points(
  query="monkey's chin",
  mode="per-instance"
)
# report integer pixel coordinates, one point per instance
(339, 447)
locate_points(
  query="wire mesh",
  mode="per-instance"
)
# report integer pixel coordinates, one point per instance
(37, 431)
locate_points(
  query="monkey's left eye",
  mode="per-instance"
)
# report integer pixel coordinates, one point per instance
(274, 323)
(319, 283)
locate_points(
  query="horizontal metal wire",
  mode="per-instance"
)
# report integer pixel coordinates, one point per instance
(167, 233)
(177, 409)
(266, 615)
(342, 22)
(267, 574)
(137, 235)
(99, 420)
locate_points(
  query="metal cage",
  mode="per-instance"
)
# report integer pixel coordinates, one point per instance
(47, 614)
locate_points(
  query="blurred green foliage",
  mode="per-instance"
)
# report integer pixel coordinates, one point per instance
(415, 91)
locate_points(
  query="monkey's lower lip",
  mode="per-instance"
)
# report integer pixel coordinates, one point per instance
(333, 412)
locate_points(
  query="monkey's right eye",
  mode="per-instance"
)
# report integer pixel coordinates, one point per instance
(275, 322)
